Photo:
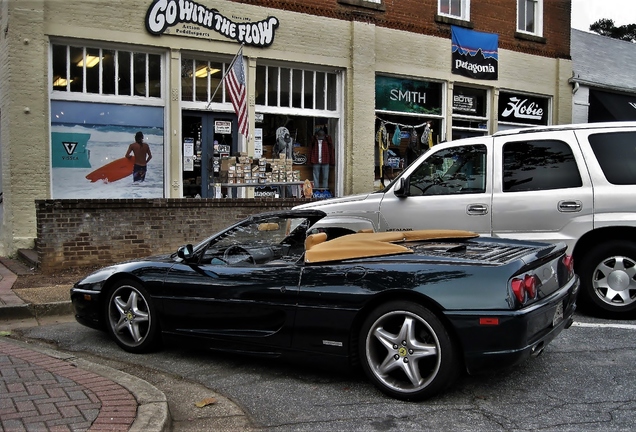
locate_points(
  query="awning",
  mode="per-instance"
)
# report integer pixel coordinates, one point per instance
(611, 107)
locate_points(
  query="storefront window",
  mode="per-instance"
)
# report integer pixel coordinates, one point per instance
(408, 122)
(201, 81)
(304, 104)
(304, 132)
(88, 143)
(296, 88)
(470, 112)
(106, 71)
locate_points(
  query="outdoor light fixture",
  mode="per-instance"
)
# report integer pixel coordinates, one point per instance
(90, 61)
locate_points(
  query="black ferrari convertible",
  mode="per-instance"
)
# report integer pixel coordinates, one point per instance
(412, 308)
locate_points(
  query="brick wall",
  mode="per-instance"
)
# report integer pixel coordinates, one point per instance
(419, 16)
(81, 233)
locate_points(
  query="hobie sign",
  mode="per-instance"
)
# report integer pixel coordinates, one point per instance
(516, 108)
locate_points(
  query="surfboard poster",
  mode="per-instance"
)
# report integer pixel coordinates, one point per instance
(112, 128)
(113, 171)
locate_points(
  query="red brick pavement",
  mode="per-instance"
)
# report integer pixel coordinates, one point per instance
(42, 393)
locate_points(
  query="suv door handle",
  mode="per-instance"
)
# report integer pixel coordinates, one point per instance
(570, 206)
(477, 209)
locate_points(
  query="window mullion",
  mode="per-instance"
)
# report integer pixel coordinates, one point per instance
(101, 72)
(132, 74)
(313, 96)
(68, 68)
(116, 64)
(209, 81)
(84, 70)
(325, 91)
(266, 85)
(147, 87)
(291, 88)
(302, 89)
(278, 89)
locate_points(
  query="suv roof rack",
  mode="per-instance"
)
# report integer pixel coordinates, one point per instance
(564, 127)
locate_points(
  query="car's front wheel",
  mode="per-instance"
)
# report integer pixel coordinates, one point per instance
(131, 319)
(608, 278)
(406, 351)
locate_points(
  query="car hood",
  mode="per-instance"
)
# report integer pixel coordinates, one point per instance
(328, 202)
(135, 266)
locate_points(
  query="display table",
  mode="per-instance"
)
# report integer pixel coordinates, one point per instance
(280, 185)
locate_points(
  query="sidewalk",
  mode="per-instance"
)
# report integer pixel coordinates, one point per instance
(48, 390)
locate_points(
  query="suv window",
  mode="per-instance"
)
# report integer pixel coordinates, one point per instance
(616, 154)
(457, 170)
(539, 165)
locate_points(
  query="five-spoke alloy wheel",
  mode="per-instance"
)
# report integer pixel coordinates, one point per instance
(130, 317)
(406, 351)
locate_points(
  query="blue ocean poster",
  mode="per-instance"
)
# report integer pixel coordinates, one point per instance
(86, 136)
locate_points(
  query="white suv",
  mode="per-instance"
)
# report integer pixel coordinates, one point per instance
(570, 183)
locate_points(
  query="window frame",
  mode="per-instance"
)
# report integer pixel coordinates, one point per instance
(324, 86)
(209, 64)
(484, 118)
(464, 14)
(66, 93)
(369, 4)
(538, 17)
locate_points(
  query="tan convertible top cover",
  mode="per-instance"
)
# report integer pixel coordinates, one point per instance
(363, 245)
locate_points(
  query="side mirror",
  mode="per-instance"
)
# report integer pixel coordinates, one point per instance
(401, 189)
(185, 252)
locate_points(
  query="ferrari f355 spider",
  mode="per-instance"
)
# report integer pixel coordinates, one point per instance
(411, 308)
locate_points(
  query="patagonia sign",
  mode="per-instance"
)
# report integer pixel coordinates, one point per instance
(189, 18)
(516, 108)
(475, 54)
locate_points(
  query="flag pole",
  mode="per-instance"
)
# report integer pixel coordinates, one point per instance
(224, 75)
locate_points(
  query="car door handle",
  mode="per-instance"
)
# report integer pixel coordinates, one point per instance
(477, 209)
(570, 206)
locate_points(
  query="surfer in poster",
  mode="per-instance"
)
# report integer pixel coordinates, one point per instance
(141, 152)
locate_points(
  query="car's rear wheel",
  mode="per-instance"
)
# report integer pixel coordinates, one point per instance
(406, 351)
(608, 278)
(131, 317)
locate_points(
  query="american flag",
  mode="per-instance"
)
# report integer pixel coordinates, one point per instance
(235, 81)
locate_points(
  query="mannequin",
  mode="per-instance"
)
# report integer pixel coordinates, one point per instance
(283, 143)
(321, 157)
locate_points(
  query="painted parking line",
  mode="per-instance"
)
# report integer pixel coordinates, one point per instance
(600, 325)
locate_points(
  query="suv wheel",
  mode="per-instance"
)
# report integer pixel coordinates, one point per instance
(608, 277)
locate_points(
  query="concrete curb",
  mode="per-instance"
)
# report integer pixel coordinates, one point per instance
(32, 310)
(153, 414)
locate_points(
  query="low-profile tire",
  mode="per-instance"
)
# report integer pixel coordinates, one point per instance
(406, 352)
(608, 278)
(131, 318)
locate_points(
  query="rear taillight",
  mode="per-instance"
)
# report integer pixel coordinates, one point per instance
(568, 262)
(525, 288)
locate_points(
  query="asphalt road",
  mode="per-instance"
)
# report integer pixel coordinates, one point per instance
(584, 381)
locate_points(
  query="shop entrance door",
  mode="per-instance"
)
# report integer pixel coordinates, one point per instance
(205, 137)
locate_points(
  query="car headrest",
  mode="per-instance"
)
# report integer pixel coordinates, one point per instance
(314, 239)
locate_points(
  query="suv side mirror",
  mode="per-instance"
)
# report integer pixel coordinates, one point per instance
(401, 189)
(185, 252)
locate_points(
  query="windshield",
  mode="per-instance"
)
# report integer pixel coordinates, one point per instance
(275, 237)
